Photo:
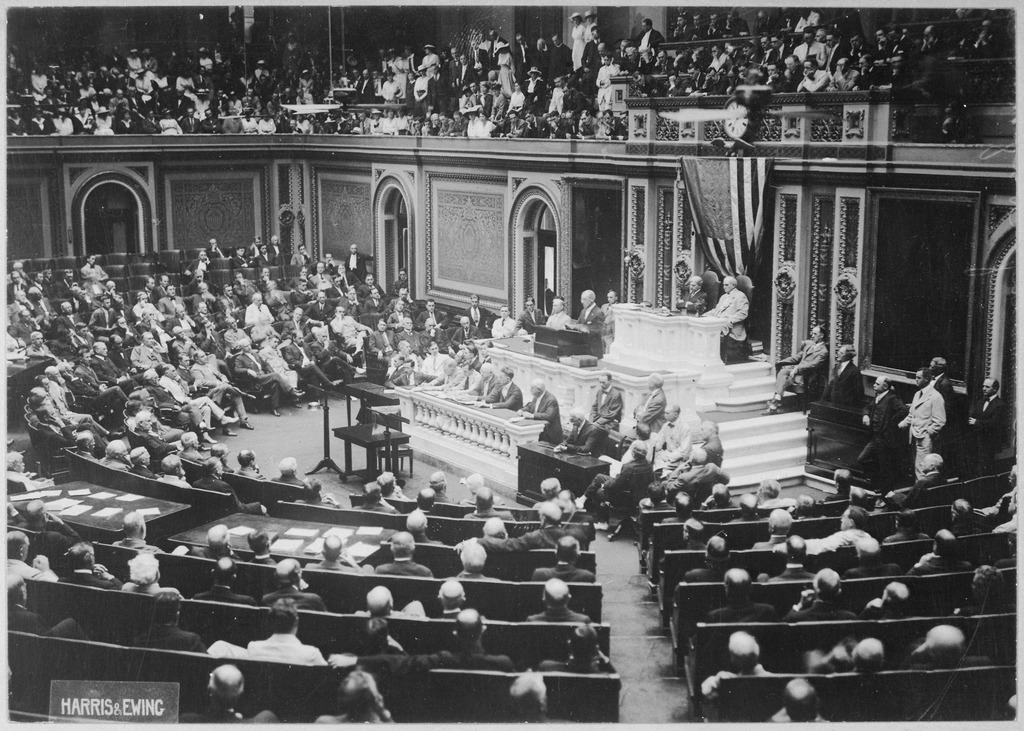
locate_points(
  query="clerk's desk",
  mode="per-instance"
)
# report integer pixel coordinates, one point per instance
(538, 461)
(835, 438)
(552, 344)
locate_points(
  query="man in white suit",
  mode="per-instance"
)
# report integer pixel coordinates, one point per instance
(811, 355)
(926, 418)
(733, 306)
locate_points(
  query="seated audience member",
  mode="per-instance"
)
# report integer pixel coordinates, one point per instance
(851, 530)
(585, 656)
(173, 472)
(869, 562)
(944, 648)
(29, 480)
(799, 703)
(85, 571)
(672, 444)
(820, 604)
(452, 598)
(624, 491)
(259, 543)
(1004, 513)
(416, 525)
(224, 690)
(963, 521)
(190, 448)
(931, 466)
(744, 659)
(779, 524)
(551, 529)
(716, 558)
(163, 632)
(439, 484)
(247, 466)
(585, 437)
(403, 548)
(485, 507)
(312, 493)
(988, 594)
(144, 576)
(942, 559)
(806, 507)
(891, 605)
(796, 553)
(335, 559)
(372, 500)
(862, 498)
(217, 544)
(720, 498)
(844, 481)
(698, 476)
(474, 559)
(213, 468)
(567, 553)
(287, 470)
(528, 697)
(556, 605)
(425, 499)
(283, 645)
(768, 496)
(738, 606)
(359, 701)
(221, 590)
(21, 619)
(906, 528)
(17, 552)
(289, 579)
(115, 456)
(140, 463)
(837, 660)
(51, 536)
(656, 497)
(869, 656)
(682, 503)
(380, 604)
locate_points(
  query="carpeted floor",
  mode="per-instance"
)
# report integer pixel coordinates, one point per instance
(641, 653)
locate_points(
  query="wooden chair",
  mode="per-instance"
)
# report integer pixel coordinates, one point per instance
(712, 287)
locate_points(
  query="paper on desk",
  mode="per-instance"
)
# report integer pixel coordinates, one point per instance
(106, 512)
(41, 494)
(241, 530)
(21, 496)
(286, 545)
(315, 547)
(58, 505)
(370, 530)
(342, 533)
(83, 491)
(76, 509)
(148, 511)
(360, 550)
(103, 496)
(301, 532)
(130, 498)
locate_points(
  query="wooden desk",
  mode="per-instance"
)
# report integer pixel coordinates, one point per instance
(554, 344)
(539, 461)
(370, 395)
(168, 518)
(372, 438)
(835, 438)
(278, 529)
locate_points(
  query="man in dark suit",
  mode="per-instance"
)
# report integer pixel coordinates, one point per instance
(478, 316)
(225, 688)
(289, 579)
(529, 318)
(624, 491)
(220, 591)
(585, 438)
(463, 334)
(869, 562)
(942, 559)
(85, 571)
(556, 605)
(505, 394)
(212, 471)
(845, 388)
(987, 423)
(591, 317)
(716, 561)
(738, 606)
(567, 552)
(320, 312)
(606, 411)
(485, 509)
(880, 458)
(547, 536)
(21, 619)
(796, 553)
(355, 266)
(217, 545)
(820, 604)
(543, 406)
(50, 537)
(403, 548)
(649, 37)
(164, 633)
(932, 477)
(651, 409)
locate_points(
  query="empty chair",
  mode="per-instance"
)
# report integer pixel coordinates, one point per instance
(66, 262)
(248, 273)
(140, 268)
(219, 263)
(135, 283)
(116, 259)
(115, 271)
(218, 277)
(169, 261)
(712, 288)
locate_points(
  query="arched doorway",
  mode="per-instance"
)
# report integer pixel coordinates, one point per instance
(111, 217)
(540, 244)
(397, 237)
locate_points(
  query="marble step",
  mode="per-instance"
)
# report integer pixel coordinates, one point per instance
(761, 426)
(753, 387)
(767, 442)
(750, 369)
(764, 464)
(792, 476)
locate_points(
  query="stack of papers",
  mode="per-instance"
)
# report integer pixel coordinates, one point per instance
(39, 494)
(106, 512)
(361, 550)
(76, 510)
(58, 505)
(130, 498)
(103, 496)
(342, 533)
(148, 511)
(315, 548)
(301, 532)
(286, 545)
(76, 493)
(370, 530)
(242, 530)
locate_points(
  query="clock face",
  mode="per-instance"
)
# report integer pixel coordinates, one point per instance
(736, 127)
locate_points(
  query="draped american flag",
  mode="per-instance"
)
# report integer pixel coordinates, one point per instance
(726, 197)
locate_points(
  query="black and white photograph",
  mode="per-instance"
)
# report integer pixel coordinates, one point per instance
(474, 363)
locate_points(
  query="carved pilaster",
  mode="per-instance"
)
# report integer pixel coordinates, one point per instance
(785, 278)
(822, 214)
(847, 286)
(682, 261)
(663, 281)
(635, 245)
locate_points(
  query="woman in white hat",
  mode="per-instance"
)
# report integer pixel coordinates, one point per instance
(506, 76)
(579, 39)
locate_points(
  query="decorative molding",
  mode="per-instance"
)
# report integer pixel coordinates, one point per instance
(1006, 249)
(853, 124)
(713, 130)
(848, 282)
(663, 279)
(666, 130)
(785, 281)
(827, 129)
(77, 243)
(516, 182)
(634, 264)
(345, 215)
(899, 123)
(527, 196)
(787, 226)
(411, 174)
(847, 290)
(639, 127)
(783, 345)
(849, 228)
(996, 215)
(637, 219)
(769, 129)
(377, 172)
(822, 216)
(793, 129)
(688, 131)
(75, 172)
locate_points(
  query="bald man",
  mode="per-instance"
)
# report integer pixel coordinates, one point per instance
(289, 579)
(223, 580)
(738, 606)
(567, 554)
(224, 690)
(217, 544)
(52, 536)
(779, 524)
(403, 548)
(869, 562)
(744, 659)
(335, 559)
(868, 656)
(944, 648)
(543, 406)
(551, 529)
(733, 307)
(556, 605)
(485, 507)
(452, 597)
(799, 703)
(416, 525)
(584, 437)
(820, 604)
(134, 528)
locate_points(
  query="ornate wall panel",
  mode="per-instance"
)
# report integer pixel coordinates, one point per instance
(822, 217)
(682, 257)
(346, 216)
(25, 220)
(465, 230)
(285, 211)
(227, 209)
(785, 277)
(847, 285)
(636, 256)
(663, 281)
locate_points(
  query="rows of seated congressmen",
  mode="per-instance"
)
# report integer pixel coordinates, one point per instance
(815, 604)
(188, 345)
(74, 600)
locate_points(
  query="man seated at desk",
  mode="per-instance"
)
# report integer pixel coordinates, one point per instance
(529, 318)
(544, 407)
(559, 318)
(504, 394)
(585, 437)
(734, 307)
